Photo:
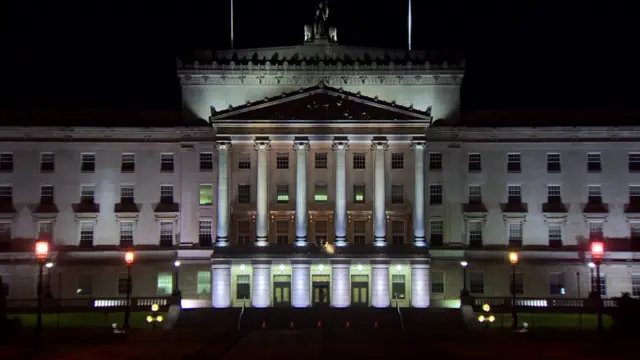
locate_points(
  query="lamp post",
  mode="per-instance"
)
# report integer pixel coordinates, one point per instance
(42, 252)
(597, 252)
(129, 257)
(513, 259)
(464, 292)
(176, 289)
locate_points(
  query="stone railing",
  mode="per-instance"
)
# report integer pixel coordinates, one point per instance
(500, 304)
(318, 66)
(89, 304)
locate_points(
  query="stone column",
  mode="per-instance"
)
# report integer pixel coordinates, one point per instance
(380, 297)
(418, 147)
(301, 285)
(341, 286)
(301, 148)
(341, 147)
(420, 296)
(262, 211)
(222, 228)
(261, 297)
(379, 147)
(221, 285)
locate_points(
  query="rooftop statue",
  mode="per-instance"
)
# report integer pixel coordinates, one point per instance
(320, 24)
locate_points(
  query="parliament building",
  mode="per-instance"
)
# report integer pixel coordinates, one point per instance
(319, 175)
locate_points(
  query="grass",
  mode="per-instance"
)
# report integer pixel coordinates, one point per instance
(553, 321)
(85, 319)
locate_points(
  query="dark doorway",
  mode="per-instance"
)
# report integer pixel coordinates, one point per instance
(360, 290)
(321, 290)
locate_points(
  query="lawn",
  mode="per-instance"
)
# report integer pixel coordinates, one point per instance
(553, 321)
(85, 319)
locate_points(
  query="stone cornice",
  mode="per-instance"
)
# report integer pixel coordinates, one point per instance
(532, 134)
(69, 134)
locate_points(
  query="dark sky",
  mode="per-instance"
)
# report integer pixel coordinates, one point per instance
(120, 53)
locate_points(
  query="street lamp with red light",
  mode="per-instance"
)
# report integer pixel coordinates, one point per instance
(41, 253)
(129, 258)
(597, 250)
(597, 253)
(513, 259)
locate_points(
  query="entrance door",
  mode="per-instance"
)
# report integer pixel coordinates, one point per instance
(320, 289)
(282, 290)
(359, 290)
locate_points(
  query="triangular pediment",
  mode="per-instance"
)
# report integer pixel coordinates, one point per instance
(320, 103)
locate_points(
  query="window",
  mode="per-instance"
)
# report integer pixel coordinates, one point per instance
(595, 194)
(475, 162)
(6, 194)
(358, 193)
(397, 194)
(282, 232)
(87, 194)
(88, 162)
(321, 231)
(435, 194)
(166, 194)
(243, 287)
(46, 194)
(282, 160)
(203, 285)
(513, 162)
(5, 231)
(283, 194)
(553, 163)
(205, 232)
(244, 232)
(476, 282)
(435, 232)
(603, 284)
(165, 283)
(475, 233)
(126, 232)
(594, 163)
(397, 161)
(555, 234)
(321, 193)
(206, 161)
(128, 162)
(45, 230)
(244, 194)
(635, 284)
(359, 232)
(514, 194)
(635, 230)
(397, 232)
(166, 233)
(86, 233)
(398, 287)
(519, 283)
(6, 162)
(553, 194)
(206, 194)
(595, 230)
(244, 161)
(435, 161)
(321, 160)
(47, 162)
(634, 194)
(166, 162)
(126, 194)
(358, 161)
(85, 287)
(556, 284)
(475, 194)
(123, 284)
(437, 282)
(634, 162)
(515, 234)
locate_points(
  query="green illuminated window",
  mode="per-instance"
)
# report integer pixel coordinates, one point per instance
(283, 194)
(204, 282)
(322, 193)
(206, 194)
(358, 193)
(165, 283)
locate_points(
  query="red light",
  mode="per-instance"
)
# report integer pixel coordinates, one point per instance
(597, 249)
(42, 250)
(128, 257)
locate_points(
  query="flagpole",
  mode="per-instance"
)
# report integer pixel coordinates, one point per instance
(409, 25)
(231, 24)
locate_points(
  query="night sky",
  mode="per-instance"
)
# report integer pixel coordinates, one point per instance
(121, 54)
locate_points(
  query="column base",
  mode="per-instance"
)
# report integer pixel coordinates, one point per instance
(222, 241)
(261, 241)
(419, 241)
(379, 241)
(301, 241)
(341, 240)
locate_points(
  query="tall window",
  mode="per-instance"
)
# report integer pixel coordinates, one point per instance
(475, 233)
(513, 162)
(634, 194)
(397, 161)
(244, 194)
(603, 284)
(475, 194)
(635, 284)
(437, 282)
(47, 162)
(359, 232)
(126, 232)
(398, 287)
(282, 161)
(556, 284)
(126, 194)
(514, 194)
(553, 163)
(555, 234)
(205, 232)
(165, 283)
(123, 283)
(321, 160)
(595, 230)
(5, 231)
(397, 232)
(435, 194)
(358, 193)
(6, 194)
(553, 194)
(595, 194)
(128, 162)
(594, 162)
(203, 285)
(436, 232)
(475, 162)
(46, 194)
(321, 193)
(166, 162)
(87, 194)
(515, 234)
(166, 233)
(6, 162)
(86, 233)
(635, 230)
(476, 282)
(358, 160)
(397, 194)
(206, 194)
(45, 230)
(634, 162)
(206, 161)
(283, 193)
(88, 162)
(244, 232)
(85, 285)
(244, 161)
(282, 232)
(435, 161)
(166, 194)
(243, 287)
(321, 231)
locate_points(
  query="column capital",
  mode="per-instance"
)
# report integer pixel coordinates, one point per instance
(418, 144)
(223, 144)
(340, 145)
(262, 144)
(379, 145)
(301, 145)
